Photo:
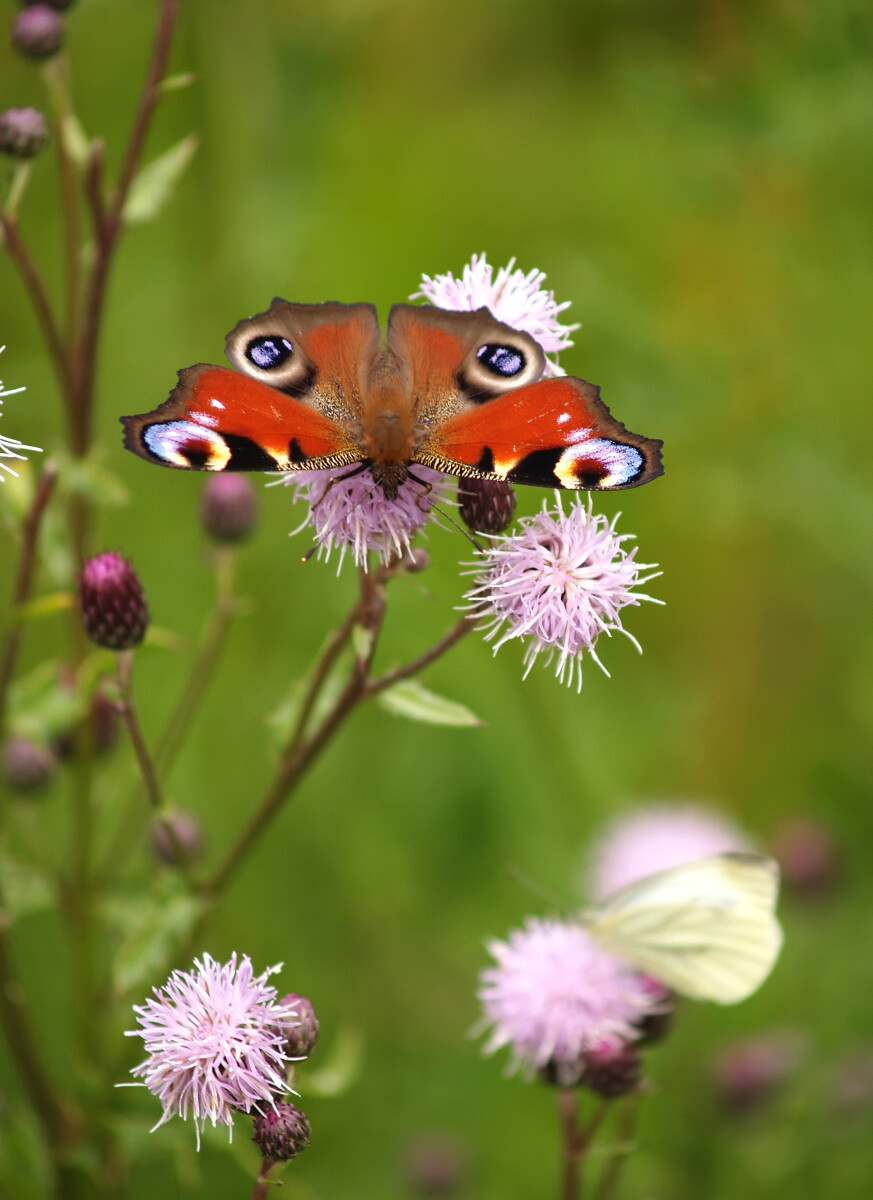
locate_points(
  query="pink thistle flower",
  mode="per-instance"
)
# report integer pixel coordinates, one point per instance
(647, 840)
(214, 1040)
(559, 581)
(10, 447)
(355, 515)
(555, 997)
(516, 299)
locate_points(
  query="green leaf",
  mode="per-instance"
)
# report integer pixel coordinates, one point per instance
(155, 184)
(88, 477)
(362, 642)
(74, 139)
(345, 1062)
(177, 83)
(409, 699)
(153, 928)
(41, 707)
(45, 606)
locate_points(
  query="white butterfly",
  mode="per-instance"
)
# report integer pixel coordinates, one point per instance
(706, 928)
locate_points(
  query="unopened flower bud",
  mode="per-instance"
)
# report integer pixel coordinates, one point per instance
(112, 602)
(282, 1133)
(486, 505)
(612, 1070)
(749, 1072)
(27, 767)
(415, 560)
(657, 1023)
(38, 31)
(177, 835)
(435, 1165)
(300, 1037)
(103, 725)
(23, 132)
(229, 507)
(807, 853)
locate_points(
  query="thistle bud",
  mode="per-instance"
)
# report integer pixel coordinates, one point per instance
(415, 560)
(177, 834)
(612, 1070)
(229, 507)
(23, 132)
(27, 767)
(658, 1022)
(486, 505)
(300, 1038)
(282, 1133)
(38, 31)
(112, 602)
(808, 855)
(750, 1071)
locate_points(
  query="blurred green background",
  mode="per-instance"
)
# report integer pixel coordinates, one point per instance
(696, 178)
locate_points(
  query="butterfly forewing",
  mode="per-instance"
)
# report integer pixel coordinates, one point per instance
(706, 928)
(216, 419)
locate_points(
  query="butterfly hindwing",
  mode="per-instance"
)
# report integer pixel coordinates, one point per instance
(705, 928)
(216, 419)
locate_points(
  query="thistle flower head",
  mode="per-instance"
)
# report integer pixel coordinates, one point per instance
(112, 602)
(353, 514)
(215, 1043)
(647, 840)
(281, 1133)
(38, 31)
(23, 132)
(558, 581)
(9, 447)
(554, 997)
(516, 299)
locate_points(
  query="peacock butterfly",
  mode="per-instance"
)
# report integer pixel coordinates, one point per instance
(457, 391)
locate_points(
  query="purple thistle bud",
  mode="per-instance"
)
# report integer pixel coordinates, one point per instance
(38, 31)
(656, 1025)
(301, 1032)
(174, 834)
(23, 132)
(612, 1069)
(112, 602)
(486, 505)
(103, 725)
(27, 767)
(229, 507)
(435, 1165)
(750, 1072)
(808, 855)
(281, 1133)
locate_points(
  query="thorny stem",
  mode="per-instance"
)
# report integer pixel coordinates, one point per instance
(576, 1139)
(24, 577)
(59, 1120)
(624, 1131)
(263, 1183)
(110, 227)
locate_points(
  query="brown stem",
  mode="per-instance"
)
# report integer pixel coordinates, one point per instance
(576, 1139)
(331, 650)
(110, 227)
(127, 708)
(39, 297)
(24, 577)
(263, 1184)
(58, 1119)
(459, 631)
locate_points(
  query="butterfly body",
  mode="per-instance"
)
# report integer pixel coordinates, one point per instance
(456, 391)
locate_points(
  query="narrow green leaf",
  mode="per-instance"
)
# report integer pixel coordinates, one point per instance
(25, 889)
(409, 699)
(156, 183)
(44, 606)
(362, 641)
(154, 927)
(75, 140)
(177, 83)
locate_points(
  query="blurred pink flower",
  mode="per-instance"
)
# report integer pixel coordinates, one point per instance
(214, 1040)
(516, 299)
(355, 515)
(555, 996)
(646, 840)
(558, 581)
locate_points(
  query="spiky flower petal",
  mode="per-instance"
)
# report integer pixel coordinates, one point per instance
(9, 447)
(215, 1043)
(558, 581)
(353, 514)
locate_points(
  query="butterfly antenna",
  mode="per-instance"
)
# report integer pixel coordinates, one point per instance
(428, 488)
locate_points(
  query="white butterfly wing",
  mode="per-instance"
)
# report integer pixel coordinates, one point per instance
(706, 928)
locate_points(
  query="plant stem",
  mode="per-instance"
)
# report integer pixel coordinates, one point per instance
(109, 229)
(612, 1171)
(576, 1139)
(24, 577)
(39, 297)
(127, 708)
(455, 634)
(263, 1184)
(56, 80)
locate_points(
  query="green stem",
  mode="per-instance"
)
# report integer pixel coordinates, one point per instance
(609, 1180)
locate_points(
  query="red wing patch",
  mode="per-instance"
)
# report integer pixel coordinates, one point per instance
(216, 419)
(554, 433)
